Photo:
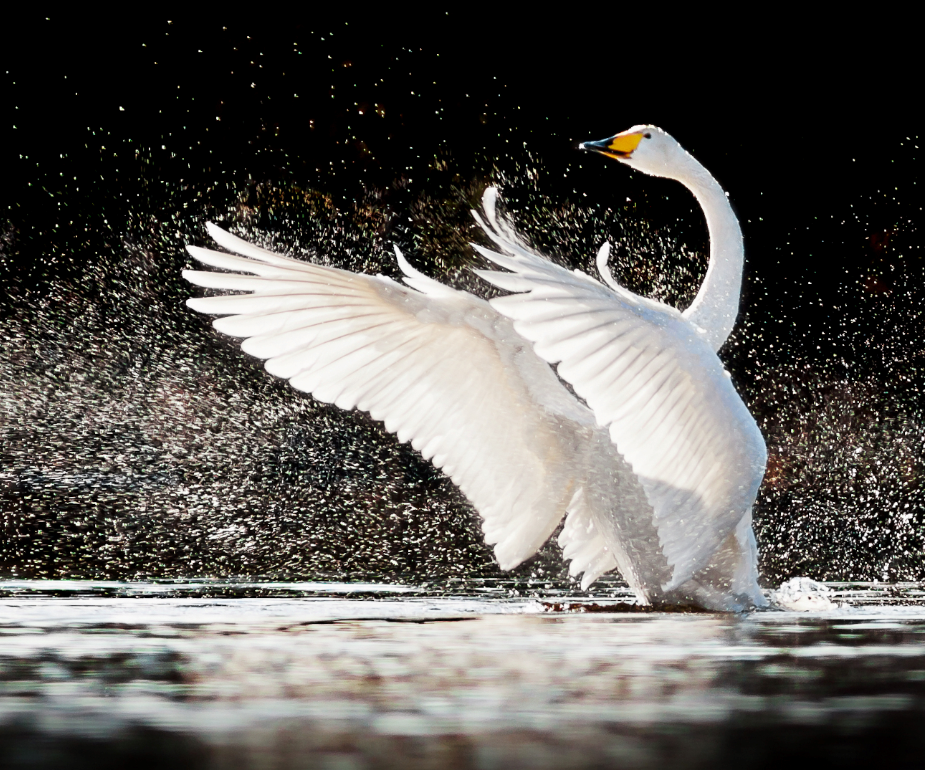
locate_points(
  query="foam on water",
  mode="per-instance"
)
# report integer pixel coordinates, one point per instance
(803, 595)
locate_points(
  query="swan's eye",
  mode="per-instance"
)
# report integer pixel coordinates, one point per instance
(647, 136)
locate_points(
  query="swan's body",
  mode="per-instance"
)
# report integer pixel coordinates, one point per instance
(656, 472)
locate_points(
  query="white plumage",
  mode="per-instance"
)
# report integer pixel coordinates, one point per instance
(656, 472)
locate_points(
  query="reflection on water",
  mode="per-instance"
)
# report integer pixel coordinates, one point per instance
(235, 675)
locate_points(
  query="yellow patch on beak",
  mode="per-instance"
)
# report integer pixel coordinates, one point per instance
(623, 145)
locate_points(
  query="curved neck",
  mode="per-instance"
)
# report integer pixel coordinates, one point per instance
(716, 305)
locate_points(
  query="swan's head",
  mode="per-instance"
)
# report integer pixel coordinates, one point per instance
(646, 148)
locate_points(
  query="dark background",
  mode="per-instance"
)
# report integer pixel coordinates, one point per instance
(342, 133)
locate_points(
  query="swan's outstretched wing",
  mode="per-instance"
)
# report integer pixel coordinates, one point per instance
(440, 368)
(670, 407)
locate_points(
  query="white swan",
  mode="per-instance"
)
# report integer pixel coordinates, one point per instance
(656, 472)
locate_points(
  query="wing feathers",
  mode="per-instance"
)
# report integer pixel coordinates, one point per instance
(439, 369)
(653, 381)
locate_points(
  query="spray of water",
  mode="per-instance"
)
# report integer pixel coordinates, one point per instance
(138, 443)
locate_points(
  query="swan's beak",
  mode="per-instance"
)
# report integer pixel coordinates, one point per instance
(620, 146)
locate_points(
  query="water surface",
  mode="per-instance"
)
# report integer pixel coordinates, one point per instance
(233, 674)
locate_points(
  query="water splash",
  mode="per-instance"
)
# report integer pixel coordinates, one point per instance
(801, 594)
(136, 443)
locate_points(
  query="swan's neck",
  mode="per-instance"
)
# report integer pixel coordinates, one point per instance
(716, 305)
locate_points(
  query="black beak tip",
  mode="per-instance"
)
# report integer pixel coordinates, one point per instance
(598, 146)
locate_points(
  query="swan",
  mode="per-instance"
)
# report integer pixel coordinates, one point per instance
(656, 464)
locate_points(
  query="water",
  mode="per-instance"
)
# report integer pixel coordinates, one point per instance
(207, 674)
